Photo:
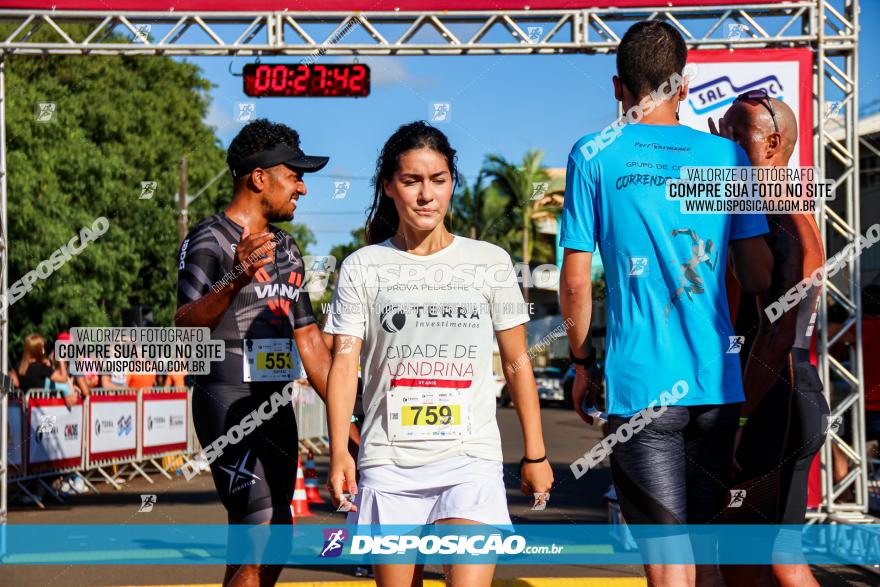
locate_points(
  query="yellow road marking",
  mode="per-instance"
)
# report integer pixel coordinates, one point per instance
(524, 582)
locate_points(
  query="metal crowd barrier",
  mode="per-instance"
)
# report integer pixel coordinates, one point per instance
(49, 439)
(100, 462)
(56, 440)
(47, 435)
(311, 419)
(140, 458)
(10, 443)
(182, 450)
(15, 436)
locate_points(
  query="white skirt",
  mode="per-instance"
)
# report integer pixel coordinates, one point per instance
(458, 487)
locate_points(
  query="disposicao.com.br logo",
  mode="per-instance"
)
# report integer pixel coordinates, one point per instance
(334, 542)
(447, 544)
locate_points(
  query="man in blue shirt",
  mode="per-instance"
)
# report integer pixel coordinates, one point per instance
(668, 320)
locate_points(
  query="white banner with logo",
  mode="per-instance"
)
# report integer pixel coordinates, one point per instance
(112, 426)
(721, 75)
(55, 432)
(164, 421)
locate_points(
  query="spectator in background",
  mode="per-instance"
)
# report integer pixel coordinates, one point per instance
(117, 379)
(114, 381)
(36, 371)
(140, 380)
(86, 383)
(82, 383)
(176, 379)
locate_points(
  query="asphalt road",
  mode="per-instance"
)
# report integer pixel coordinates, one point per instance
(195, 502)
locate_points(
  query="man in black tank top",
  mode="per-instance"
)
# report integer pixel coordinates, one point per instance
(784, 417)
(243, 278)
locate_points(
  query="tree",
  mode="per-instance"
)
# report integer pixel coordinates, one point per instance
(301, 233)
(339, 253)
(599, 288)
(358, 240)
(478, 211)
(117, 122)
(518, 184)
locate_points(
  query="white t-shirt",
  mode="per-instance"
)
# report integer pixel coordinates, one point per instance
(427, 324)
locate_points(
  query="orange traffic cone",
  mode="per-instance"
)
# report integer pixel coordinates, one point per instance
(299, 505)
(312, 493)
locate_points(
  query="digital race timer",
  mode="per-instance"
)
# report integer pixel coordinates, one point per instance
(292, 80)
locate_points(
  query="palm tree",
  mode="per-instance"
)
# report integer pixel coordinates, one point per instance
(467, 206)
(478, 210)
(518, 183)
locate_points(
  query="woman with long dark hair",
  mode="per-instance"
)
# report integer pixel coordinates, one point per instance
(418, 308)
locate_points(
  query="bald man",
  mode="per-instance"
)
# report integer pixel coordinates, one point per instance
(782, 424)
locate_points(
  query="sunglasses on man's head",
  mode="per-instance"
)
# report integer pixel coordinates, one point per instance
(761, 96)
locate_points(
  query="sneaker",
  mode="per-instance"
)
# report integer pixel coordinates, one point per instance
(200, 463)
(363, 572)
(78, 484)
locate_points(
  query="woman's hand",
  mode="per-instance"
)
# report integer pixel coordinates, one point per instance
(536, 478)
(342, 478)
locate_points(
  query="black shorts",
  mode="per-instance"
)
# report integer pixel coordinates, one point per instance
(254, 477)
(676, 469)
(778, 444)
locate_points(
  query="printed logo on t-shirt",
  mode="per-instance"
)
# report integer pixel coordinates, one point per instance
(437, 362)
(240, 472)
(690, 281)
(392, 319)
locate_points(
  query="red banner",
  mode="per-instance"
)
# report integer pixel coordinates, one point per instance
(356, 5)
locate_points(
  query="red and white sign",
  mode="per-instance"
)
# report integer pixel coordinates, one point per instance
(786, 74)
(56, 434)
(112, 432)
(164, 422)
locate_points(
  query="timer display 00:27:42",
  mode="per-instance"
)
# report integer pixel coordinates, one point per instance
(312, 80)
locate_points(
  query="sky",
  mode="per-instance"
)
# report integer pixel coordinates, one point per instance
(504, 104)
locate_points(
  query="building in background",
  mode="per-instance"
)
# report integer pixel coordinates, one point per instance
(544, 294)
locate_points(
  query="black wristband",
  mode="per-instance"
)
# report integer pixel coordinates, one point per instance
(586, 362)
(524, 460)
